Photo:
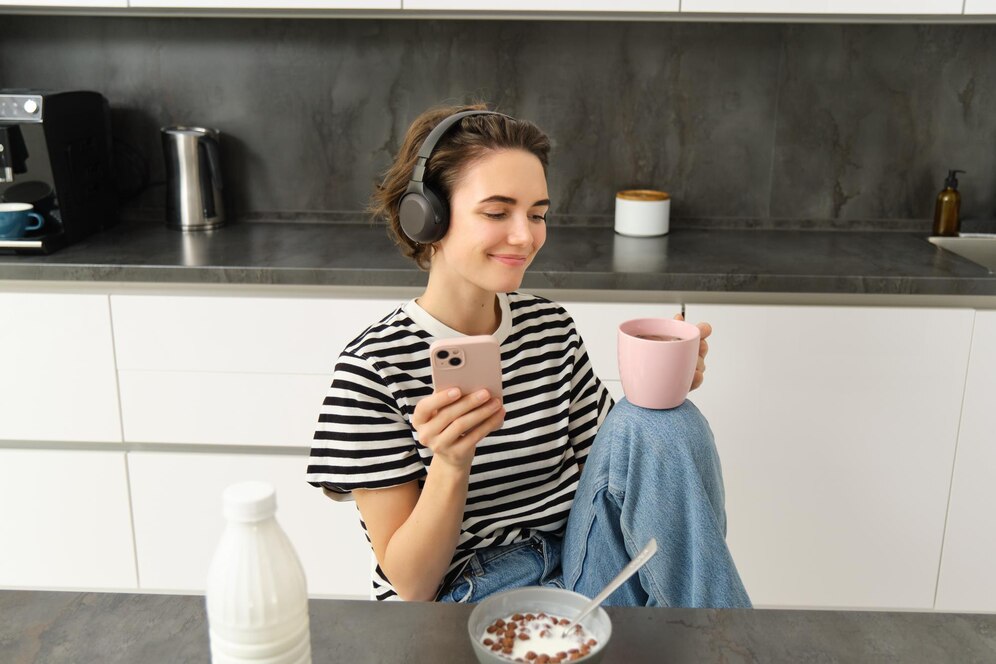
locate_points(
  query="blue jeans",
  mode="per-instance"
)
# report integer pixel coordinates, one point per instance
(649, 473)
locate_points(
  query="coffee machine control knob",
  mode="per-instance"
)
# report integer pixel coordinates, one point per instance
(31, 106)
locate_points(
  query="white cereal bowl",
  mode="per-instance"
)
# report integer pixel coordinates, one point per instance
(564, 603)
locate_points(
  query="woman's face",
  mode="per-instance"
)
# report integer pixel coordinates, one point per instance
(497, 222)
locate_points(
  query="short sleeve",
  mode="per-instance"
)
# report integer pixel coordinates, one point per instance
(590, 401)
(362, 440)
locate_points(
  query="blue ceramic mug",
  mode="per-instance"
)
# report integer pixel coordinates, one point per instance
(16, 219)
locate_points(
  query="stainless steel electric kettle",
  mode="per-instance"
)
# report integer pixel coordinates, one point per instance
(193, 178)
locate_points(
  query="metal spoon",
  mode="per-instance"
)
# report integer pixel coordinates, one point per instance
(641, 559)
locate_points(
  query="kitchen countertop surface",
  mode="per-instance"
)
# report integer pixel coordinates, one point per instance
(56, 627)
(575, 257)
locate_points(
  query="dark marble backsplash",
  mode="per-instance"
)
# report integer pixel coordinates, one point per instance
(767, 123)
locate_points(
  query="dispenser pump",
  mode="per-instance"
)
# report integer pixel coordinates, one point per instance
(952, 180)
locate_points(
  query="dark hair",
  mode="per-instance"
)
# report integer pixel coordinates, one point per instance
(467, 141)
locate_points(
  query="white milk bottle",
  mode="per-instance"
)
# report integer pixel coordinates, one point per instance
(257, 597)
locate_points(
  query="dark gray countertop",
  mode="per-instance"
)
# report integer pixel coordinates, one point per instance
(575, 257)
(56, 627)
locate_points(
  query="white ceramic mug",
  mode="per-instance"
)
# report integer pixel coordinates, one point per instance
(642, 212)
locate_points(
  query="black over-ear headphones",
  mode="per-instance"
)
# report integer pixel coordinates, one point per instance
(424, 213)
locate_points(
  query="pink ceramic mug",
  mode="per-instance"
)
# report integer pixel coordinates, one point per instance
(657, 359)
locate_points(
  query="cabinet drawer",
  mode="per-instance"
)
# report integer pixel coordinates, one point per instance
(241, 334)
(178, 520)
(221, 408)
(57, 377)
(64, 520)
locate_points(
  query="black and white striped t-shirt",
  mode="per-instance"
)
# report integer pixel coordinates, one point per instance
(524, 475)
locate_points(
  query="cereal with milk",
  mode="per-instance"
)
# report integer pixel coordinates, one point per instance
(536, 639)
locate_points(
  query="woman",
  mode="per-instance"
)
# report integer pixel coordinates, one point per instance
(465, 495)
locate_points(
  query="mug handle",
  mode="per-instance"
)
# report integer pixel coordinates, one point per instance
(39, 222)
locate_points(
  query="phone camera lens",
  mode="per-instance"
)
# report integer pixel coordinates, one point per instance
(455, 361)
(443, 354)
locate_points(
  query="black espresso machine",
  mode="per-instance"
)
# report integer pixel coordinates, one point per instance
(55, 153)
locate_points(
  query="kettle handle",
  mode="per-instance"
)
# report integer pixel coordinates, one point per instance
(214, 162)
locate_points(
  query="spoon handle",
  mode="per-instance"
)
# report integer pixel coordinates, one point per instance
(641, 558)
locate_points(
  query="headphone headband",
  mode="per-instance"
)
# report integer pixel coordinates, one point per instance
(429, 144)
(423, 213)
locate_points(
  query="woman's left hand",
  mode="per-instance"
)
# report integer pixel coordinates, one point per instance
(705, 329)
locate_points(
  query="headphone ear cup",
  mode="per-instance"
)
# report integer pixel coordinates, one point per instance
(441, 214)
(416, 216)
(424, 216)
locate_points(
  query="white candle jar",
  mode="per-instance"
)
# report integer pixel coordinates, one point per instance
(642, 212)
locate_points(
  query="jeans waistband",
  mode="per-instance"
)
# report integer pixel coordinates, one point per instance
(482, 557)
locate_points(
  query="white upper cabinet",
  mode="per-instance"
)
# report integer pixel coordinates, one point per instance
(544, 5)
(63, 3)
(777, 7)
(838, 7)
(269, 4)
(57, 379)
(968, 576)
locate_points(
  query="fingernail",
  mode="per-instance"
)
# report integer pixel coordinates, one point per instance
(453, 394)
(482, 395)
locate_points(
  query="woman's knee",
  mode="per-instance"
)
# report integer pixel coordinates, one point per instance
(678, 429)
(686, 417)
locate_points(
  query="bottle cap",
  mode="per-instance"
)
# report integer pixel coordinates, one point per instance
(249, 501)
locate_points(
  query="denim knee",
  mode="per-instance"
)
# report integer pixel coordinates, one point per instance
(679, 429)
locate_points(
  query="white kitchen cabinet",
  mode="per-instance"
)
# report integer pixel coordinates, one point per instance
(980, 7)
(178, 520)
(545, 5)
(836, 428)
(968, 576)
(57, 378)
(65, 520)
(838, 7)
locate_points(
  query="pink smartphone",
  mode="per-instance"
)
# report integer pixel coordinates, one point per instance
(469, 363)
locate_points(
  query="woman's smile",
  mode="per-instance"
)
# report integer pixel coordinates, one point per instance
(513, 260)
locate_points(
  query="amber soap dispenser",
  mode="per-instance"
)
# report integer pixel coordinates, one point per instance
(946, 218)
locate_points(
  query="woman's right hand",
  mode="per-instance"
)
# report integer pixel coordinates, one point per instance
(452, 425)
